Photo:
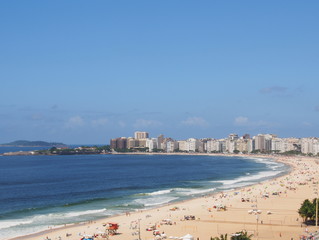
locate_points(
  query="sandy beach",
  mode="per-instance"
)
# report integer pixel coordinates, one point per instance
(268, 210)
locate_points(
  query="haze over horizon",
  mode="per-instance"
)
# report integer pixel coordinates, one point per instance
(86, 72)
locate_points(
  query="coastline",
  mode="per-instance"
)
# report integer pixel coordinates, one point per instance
(190, 207)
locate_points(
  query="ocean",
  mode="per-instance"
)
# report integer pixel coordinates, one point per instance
(41, 191)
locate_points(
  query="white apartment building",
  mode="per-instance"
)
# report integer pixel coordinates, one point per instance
(310, 145)
(171, 146)
(182, 145)
(213, 146)
(277, 144)
(151, 143)
(244, 145)
(284, 144)
(192, 144)
(189, 145)
(230, 145)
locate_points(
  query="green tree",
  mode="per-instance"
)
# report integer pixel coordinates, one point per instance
(53, 149)
(308, 210)
(222, 237)
(243, 235)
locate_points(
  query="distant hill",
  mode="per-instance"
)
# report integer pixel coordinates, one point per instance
(25, 143)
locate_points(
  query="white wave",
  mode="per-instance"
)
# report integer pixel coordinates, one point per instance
(153, 201)
(65, 215)
(256, 177)
(50, 218)
(13, 223)
(88, 212)
(9, 233)
(236, 185)
(159, 192)
(192, 191)
(269, 162)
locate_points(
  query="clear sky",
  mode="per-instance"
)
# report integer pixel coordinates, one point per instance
(87, 71)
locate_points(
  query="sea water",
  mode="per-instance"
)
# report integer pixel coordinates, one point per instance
(37, 192)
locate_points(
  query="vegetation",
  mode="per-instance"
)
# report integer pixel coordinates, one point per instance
(222, 237)
(73, 151)
(243, 235)
(215, 151)
(292, 152)
(125, 150)
(25, 143)
(255, 151)
(158, 150)
(308, 211)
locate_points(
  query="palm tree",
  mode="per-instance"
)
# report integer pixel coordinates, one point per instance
(243, 235)
(222, 237)
(307, 210)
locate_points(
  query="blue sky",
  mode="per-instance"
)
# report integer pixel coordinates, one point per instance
(87, 71)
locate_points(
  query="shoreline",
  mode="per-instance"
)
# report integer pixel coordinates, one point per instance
(59, 230)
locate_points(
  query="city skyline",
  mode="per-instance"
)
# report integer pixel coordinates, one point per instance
(83, 73)
(233, 143)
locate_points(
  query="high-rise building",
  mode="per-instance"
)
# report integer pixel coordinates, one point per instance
(151, 144)
(260, 142)
(171, 146)
(160, 140)
(233, 137)
(141, 143)
(132, 143)
(141, 135)
(118, 143)
(213, 145)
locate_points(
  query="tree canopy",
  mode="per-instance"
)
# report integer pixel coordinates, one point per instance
(308, 210)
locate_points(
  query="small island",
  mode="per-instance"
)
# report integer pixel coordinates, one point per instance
(25, 143)
(64, 151)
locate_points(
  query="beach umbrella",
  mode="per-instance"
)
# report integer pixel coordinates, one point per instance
(188, 237)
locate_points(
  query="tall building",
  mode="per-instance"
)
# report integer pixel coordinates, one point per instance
(244, 145)
(151, 144)
(141, 135)
(160, 140)
(213, 146)
(233, 137)
(119, 143)
(263, 142)
(171, 146)
(192, 144)
(310, 146)
(260, 142)
(182, 145)
(142, 143)
(132, 143)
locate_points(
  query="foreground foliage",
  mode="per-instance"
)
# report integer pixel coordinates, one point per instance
(243, 235)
